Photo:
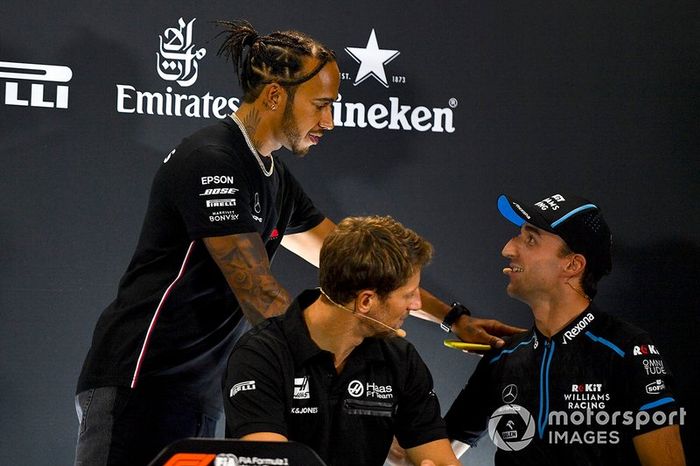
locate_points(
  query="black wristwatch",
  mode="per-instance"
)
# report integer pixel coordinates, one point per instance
(458, 309)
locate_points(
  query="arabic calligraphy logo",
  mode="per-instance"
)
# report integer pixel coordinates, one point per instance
(177, 59)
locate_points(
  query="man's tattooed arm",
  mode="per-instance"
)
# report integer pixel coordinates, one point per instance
(243, 261)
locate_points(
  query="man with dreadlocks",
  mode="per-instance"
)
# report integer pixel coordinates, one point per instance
(220, 206)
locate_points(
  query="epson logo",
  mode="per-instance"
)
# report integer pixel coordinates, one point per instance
(393, 116)
(23, 94)
(221, 203)
(217, 179)
(578, 328)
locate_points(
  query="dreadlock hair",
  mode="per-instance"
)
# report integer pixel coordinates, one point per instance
(275, 58)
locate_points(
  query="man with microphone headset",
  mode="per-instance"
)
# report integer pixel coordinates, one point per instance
(328, 373)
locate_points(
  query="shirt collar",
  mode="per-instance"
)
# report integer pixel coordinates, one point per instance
(574, 329)
(295, 329)
(297, 333)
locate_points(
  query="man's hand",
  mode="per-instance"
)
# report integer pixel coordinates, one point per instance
(486, 331)
(432, 463)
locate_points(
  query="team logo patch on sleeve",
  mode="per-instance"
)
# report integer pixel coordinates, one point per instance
(301, 388)
(242, 387)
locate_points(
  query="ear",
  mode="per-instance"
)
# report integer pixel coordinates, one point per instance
(273, 96)
(363, 301)
(575, 266)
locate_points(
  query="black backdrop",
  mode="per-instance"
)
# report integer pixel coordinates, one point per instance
(599, 98)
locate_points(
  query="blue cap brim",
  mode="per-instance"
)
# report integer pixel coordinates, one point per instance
(508, 212)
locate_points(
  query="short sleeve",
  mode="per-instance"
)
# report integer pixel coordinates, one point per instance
(305, 215)
(467, 418)
(253, 395)
(418, 419)
(212, 193)
(648, 386)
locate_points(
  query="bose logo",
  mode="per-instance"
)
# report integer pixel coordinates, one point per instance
(34, 72)
(214, 191)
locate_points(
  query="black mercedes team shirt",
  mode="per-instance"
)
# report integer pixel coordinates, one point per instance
(174, 314)
(278, 380)
(576, 399)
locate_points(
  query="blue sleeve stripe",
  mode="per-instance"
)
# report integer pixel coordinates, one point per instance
(496, 358)
(607, 343)
(574, 212)
(657, 403)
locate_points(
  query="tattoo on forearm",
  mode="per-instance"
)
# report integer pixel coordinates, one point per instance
(246, 268)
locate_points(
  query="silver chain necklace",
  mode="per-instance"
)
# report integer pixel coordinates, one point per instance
(253, 149)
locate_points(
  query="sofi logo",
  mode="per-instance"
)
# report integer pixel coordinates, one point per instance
(35, 85)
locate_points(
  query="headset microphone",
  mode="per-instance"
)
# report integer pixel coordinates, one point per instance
(398, 331)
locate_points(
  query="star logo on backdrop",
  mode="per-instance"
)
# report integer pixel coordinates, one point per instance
(372, 60)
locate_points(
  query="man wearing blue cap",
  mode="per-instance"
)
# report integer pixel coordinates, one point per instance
(581, 387)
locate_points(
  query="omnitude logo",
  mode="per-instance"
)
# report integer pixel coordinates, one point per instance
(22, 94)
(177, 61)
(392, 114)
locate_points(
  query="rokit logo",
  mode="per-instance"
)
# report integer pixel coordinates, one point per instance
(645, 350)
(27, 84)
(178, 61)
(382, 115)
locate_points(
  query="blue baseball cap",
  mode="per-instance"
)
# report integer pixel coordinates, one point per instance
(574, 219)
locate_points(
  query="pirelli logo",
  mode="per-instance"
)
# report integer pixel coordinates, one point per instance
(31, 85)
(242, 387)
(221, 203)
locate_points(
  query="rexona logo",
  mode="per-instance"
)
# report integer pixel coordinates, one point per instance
(578, 328)
(392, 113)
(27, 84)
(177, 61)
